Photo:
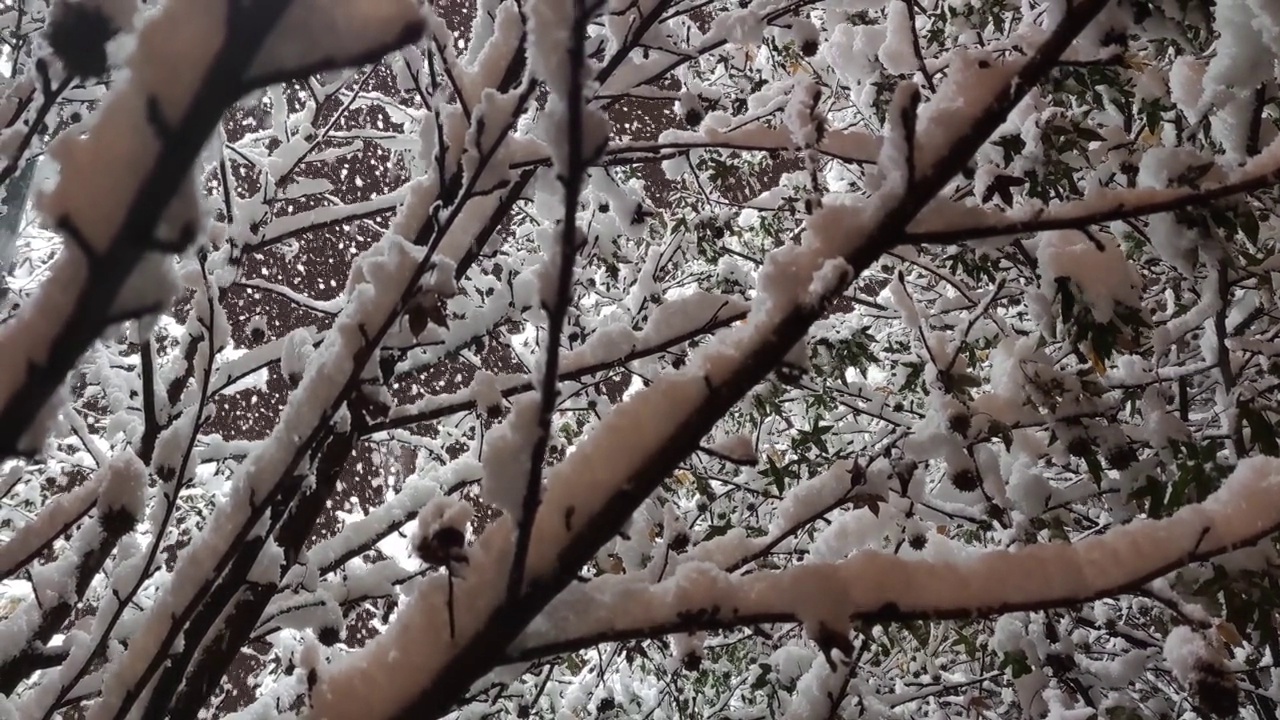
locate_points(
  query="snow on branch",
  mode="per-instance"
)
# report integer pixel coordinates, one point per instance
(537, 272)
(60, 585)
(57, 517)
(126, 198)
(577, 136)
(354, 32)
(291, 226)
(672, 324)
(182, 687)
(1098, 207)
(126, 193)
(362, 535)
(874, 586)
(415, 255)
(623, 459)
(850, 146)
(337, 365)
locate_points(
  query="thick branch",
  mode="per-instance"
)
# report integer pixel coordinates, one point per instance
(878, 587)
(90, 312)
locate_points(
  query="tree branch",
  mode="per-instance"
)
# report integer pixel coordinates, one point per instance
(877, 587)
(1108, 206)
(572, 175)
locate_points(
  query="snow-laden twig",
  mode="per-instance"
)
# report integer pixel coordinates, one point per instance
(49, 96)
(293, 226)
(689, 318)
(224, 63)
(54, 520)
(361, 536)
(115, 202)
(1104, 206)
(61, 585)
(312, 608)
(173, 463)
(384, 283)
(190, 678)
(851, 146)
(874, 586)
(575, 143)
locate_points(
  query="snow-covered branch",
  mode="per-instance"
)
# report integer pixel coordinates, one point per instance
(214, 637)
(1103, 206)
(36, 536)
(60, 586)
(578, 135)
(673, 325)
(125, 191)
(851, 146)
(878, 587)
(650, 324)
(594, 490)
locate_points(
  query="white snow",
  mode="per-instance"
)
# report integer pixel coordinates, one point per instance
(842, 570)
(486, 389)
(678, 317)
(1246, 59)
(351, 30)
(1186, 85)
(124, 485)
(897, 54)
(1104, 276)
(56, 516)
(846, 144)
(507, 456)
(1185, 648)
(975, 582)
(172, 51)
(812, 495)
(379, 277)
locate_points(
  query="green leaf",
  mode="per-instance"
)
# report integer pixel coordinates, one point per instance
(1068, 298)
(1016, 663)
(1089, 134)
(1248, 224)
(1262, 432)
(1095, 467)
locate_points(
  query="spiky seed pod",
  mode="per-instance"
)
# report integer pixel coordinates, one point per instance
(78, 34)
(966, 480)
